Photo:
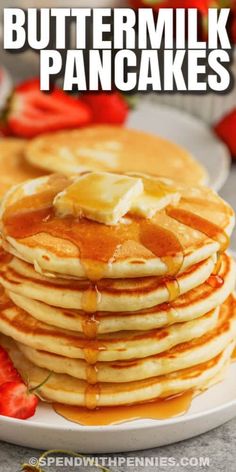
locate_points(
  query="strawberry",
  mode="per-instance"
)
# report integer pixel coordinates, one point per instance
(226, 130)
(8, 373)
(4, 129)
(31, 112)
(17, 401)
(201, 5)
(107, 107)
(233, 27)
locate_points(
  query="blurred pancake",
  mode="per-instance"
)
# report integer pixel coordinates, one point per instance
(25, 329)
(191, 305)
(108, 294)
(182, 356)
(113, 149)
(173, 240)
(13, 166)
(69, 390)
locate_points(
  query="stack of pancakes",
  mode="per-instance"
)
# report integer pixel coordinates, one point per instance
(120, 314)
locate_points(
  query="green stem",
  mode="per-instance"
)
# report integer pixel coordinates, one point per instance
(34, 389)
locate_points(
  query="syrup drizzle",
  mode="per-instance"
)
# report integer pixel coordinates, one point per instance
(200, 224)
(95, 242)
(164, 244)
(218, 265)
(5, 301)
(91, 374)
(157, 409)
(91, 298)
(5, 258)
(90, 302)
(233, 355)
(215, 281)
(90, 325)
(100, 244)
(92, 395)
(173, 288)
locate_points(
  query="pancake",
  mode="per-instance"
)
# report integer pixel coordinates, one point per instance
(122, 313)
(69, 390)
(182, 356)
(191, 305)
(25, 329)
(113, 149)
(173, 240)
(108, 294)
(14, 168)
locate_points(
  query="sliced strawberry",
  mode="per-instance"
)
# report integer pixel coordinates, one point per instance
(32, 112)
(226, 130)
(8, 373)
(17, 401)
(107, 107)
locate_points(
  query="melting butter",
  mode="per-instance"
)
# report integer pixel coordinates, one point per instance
(99, 196)
(157, 195)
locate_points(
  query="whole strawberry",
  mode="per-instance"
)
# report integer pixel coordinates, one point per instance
(226, 130)
(107, 107)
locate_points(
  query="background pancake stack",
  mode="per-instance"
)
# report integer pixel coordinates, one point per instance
(120, 314)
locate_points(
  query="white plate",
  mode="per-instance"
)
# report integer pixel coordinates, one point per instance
(47, 430)
(186, 131)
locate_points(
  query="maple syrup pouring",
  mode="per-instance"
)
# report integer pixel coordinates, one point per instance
(200, 224)
(157, 409)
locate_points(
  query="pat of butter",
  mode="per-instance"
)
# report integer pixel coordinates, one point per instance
(99, 196)
(158, 194)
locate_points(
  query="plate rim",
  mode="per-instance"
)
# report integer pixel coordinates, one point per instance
(129, 425)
